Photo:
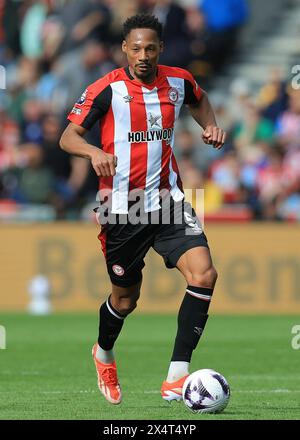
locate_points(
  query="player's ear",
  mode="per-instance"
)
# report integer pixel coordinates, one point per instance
(161, 46)
(124, 46)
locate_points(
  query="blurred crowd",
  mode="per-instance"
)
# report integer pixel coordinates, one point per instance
(257, 173)
(52, 49)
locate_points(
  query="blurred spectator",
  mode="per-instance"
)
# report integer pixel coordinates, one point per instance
(22, 81)
(195, 25)
(288, 126)
(55, 158)
(31, 126)
(270, 183)
(223, 19)
(31, 28)
(36, 181)
(190, 146)
(70, 172)
(288, 201)
(9, 140)
(176, 43)
(120, 11)
(1, 23)
(239, 96)
(185, 144)
(250, 132)
(225, 173)
(272, 97)
(213, 197)
(10, 14)
(83, 20)
(89, 64)
(193, 179)
(52, 35)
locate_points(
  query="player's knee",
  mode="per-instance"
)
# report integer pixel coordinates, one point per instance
(124, 299)
(126, 306)
(206, 278)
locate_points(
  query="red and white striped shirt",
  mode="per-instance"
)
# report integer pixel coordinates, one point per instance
(137, 125)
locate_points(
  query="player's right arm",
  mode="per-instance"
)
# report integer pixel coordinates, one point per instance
(89, 109)
(73, 142)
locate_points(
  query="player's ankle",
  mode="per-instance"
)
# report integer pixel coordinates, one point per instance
(104, 356)
(177, 370)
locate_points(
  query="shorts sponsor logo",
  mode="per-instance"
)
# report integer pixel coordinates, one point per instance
(173, 95)
(118, 270)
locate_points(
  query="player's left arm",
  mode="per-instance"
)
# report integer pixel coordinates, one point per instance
(203, 114)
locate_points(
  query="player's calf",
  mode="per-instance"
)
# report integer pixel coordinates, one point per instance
(192, 318)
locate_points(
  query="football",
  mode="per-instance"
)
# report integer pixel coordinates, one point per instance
(206, 391)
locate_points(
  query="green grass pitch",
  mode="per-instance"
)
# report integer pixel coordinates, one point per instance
(47, 370)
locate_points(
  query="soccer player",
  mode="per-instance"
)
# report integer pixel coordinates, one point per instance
(137, 107)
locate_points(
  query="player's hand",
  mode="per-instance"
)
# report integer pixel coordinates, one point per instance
(214, 136)
(104, 164)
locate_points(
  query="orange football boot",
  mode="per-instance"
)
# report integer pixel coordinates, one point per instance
(172, 390)
(108, 382)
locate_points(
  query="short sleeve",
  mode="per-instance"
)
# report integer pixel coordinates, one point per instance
(192, 90)
(91, 107)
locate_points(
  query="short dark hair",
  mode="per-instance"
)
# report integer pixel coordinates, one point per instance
(142, 21)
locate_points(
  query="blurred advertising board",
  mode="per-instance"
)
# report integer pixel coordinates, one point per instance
(258, 266)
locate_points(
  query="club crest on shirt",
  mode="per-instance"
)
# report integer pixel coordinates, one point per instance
(173, 95)
(82, 98)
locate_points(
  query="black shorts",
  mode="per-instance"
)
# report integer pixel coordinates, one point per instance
(125, 244)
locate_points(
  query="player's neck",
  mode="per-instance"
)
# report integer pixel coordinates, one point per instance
(149, 80)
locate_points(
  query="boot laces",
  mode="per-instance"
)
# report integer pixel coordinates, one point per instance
(109, 376)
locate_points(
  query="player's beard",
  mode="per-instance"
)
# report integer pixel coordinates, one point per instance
(148, 74)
